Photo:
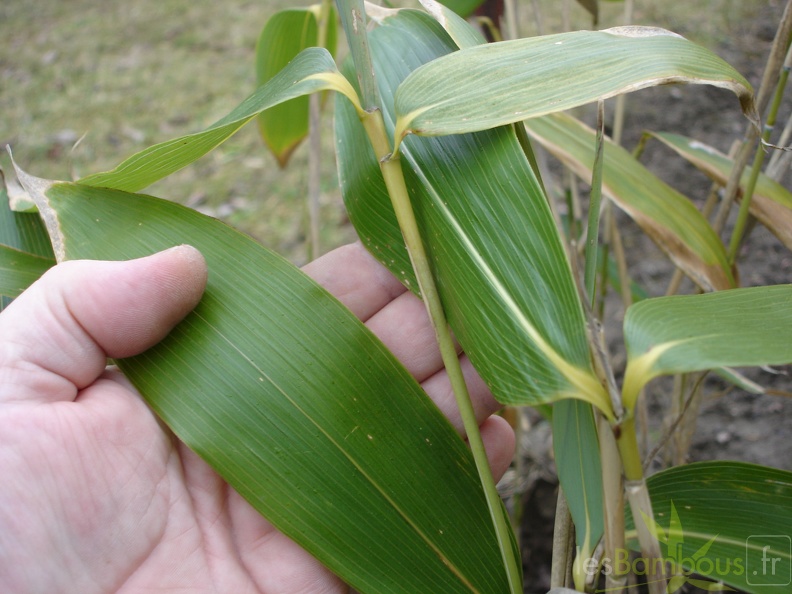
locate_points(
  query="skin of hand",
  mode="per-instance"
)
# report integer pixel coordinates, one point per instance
(97, 495)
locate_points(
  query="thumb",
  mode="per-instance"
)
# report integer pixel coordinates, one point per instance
(56, 336)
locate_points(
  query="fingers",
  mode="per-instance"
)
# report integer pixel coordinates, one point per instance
(57, 335)
(439, 389)
(404, 327)
(499, 443)
(356, 279)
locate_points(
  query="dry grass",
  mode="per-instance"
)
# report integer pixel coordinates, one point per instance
(124, 75)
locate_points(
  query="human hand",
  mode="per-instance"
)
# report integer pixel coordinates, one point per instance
(97, 495)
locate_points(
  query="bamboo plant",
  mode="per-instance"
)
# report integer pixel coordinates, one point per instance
(434, 132)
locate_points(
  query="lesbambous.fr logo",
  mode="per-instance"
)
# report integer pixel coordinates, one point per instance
(711, 567)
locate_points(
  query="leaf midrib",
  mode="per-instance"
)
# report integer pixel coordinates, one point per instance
(383, 492)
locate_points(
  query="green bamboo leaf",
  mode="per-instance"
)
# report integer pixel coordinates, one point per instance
(296, 404)
(683, 333)
(311, 71)
(576, 448)
(664, 214)
(771, 202)
(19, 270)
(502, 271)
(728, 521)
(285, 35)
(501, 83)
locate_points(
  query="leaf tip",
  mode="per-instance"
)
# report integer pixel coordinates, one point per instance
(37, 188)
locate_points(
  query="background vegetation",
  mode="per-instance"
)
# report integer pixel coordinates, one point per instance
(120, 76)
(85, 84)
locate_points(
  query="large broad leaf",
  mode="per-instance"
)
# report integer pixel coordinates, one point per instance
(501, 83)
(25, 249)
(19, 270)
(297, 405)
(577, 457)
(728, 521)
(682, 333)
(502, 272)
(771, 202)
(285, 35)
(664, 214)
(311, 71)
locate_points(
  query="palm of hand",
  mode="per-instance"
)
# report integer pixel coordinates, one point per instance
(135, 510)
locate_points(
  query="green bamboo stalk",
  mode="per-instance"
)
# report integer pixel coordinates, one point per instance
(315, 144)
(611, 229)
(745, 204)
(397, 188)
(595, 199)
(638, 496)
(314, 173)
(353, 19)
(612, 484)
(605, 253)
(769, 79)
(611, 465)
(521, 426)
(638, 151)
